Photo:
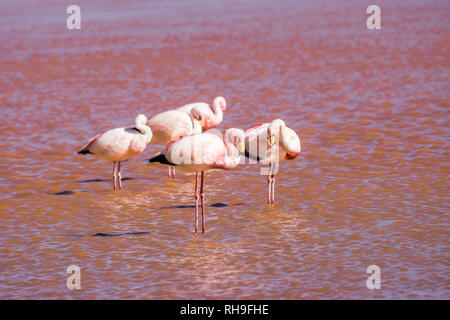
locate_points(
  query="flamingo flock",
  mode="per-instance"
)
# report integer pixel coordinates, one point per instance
(192, 148)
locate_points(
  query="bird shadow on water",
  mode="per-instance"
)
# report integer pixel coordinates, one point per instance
(104, 180)
(63, 193)
(137, 233)
(104, 234)
(107, 235)
(214, 205)
(69, 192)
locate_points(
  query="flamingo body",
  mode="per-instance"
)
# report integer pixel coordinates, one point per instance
(271, 143)
(286, 147)
(203, 152)
(212, 117)
(119, 144)
(173, 124)
(200, 153)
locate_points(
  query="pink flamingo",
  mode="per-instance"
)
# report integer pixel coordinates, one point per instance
(271, 143)
(118, 144)
(212, 117)
(172, 125)
(200, 153)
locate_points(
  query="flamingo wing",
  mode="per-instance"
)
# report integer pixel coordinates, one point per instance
(201, 106)
(196, 153)
(170, 125)
(256, 142)
(290, 144)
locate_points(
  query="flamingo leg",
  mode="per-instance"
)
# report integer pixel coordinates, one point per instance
(119, 177)
(169, 174)
(202, 195)
(273, 189)
(114, 176)
(196, 202)
(270, 182)
(173, 173)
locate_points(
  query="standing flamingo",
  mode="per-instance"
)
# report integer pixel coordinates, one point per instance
(271, 143)
(212, 117)
(203, 152)
(118, 144)
(172, 125)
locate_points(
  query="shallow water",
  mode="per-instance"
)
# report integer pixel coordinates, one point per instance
(370, 187)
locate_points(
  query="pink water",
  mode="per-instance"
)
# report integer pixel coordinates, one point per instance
(370, 187)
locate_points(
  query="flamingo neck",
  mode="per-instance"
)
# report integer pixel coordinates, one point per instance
(196, 127)
(290, 143)
(141, 126)
(218, 114)
(147, 132)
(232, 157)
(282, 137)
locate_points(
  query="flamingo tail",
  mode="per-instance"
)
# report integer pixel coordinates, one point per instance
(161, 159)
(85, 151)
(248, 155)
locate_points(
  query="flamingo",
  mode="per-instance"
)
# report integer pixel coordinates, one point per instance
(212, 117)
(271, 143)
(172, 125)
(203, 152)
(119, 144)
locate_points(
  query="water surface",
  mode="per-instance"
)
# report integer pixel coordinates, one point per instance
(370, 187)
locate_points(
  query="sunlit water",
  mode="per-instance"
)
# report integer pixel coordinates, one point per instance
(370, 187)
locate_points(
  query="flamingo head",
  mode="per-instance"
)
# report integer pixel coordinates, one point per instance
(140, 120)
(141, 125)
(237, 138)
(219, 102)
(273, 131)
(196, 114)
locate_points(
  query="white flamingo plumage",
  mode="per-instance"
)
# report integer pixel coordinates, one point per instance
(172, 125)
(212, 116)
(202, 152)
(119, 144)
(271, 143)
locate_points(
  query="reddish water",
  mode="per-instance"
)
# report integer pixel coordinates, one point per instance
(370, 187)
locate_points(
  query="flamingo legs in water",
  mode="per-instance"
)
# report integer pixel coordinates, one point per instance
(171, 173)
(202, 196)
(271, 184)
(117, 175)
(196, 202)
(114, 176)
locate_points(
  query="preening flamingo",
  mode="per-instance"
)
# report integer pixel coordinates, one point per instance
(212, 116)
(172, 125)
(202, 152)
(271, 143)
(119, 144)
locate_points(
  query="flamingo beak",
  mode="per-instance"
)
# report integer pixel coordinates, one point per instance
(241, 147)
(272, 140)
